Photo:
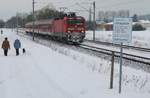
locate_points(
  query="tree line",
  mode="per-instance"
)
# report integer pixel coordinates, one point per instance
(20, 19)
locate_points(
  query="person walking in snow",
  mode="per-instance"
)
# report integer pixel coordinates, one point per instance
(5, 46)
(1, 31)
(17, 45)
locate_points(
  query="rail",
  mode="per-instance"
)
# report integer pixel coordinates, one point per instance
(131, 57)
(117, 45)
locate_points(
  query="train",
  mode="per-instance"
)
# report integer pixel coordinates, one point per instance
(70, 28)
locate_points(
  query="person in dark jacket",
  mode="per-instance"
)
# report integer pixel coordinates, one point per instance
(17, 45)
(1, 31)
(5, 46)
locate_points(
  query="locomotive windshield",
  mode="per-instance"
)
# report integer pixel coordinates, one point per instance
(75, 22)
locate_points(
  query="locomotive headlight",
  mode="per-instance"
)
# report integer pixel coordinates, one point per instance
(69, 31)
(82, 31)
(70, 28)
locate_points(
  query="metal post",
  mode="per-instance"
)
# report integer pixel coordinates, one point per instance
(17, 22)
(120, 75)
(112, 71)
(94, 21)
(33, 18)
(90, 20)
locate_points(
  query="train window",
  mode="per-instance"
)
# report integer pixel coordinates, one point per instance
(77, 22)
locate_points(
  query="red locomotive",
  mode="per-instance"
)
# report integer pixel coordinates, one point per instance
(70, 28)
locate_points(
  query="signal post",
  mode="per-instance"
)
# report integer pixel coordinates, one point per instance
(122, 33)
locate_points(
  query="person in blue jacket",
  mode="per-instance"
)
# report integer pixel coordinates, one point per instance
(17, 45)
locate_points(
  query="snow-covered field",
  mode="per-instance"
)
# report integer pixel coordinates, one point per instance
(55, 72)
(139, 38)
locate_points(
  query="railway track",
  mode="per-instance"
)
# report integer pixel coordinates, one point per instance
(144, 60)
(128, 59)
(117, 45)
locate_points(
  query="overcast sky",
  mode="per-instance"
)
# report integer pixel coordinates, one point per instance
(9, 8)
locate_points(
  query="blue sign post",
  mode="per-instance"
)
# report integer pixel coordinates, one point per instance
(122, 33)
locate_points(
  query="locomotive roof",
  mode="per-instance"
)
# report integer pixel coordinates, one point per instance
(45, 21)
(49, 21)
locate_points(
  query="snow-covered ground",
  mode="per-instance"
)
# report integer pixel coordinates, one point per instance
(139, 38)
(55, 72)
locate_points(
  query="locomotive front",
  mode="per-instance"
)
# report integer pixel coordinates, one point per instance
(75, 28)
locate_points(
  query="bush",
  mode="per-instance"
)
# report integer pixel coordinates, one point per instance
(138, 27)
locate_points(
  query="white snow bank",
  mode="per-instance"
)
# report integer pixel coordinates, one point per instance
(139, 38)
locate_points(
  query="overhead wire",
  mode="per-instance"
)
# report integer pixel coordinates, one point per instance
(122, 3)
(89, 3)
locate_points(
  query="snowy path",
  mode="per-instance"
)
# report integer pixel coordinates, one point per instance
(40, 73)
(22, 78)
(44, 73)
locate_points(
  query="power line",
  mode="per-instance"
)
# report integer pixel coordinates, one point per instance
(85, 9)
(121, 3)
(62, 9)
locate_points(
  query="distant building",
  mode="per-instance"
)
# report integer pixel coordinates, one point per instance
(144, 23)
(101, 25)
(108, 16)
(108, 26)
